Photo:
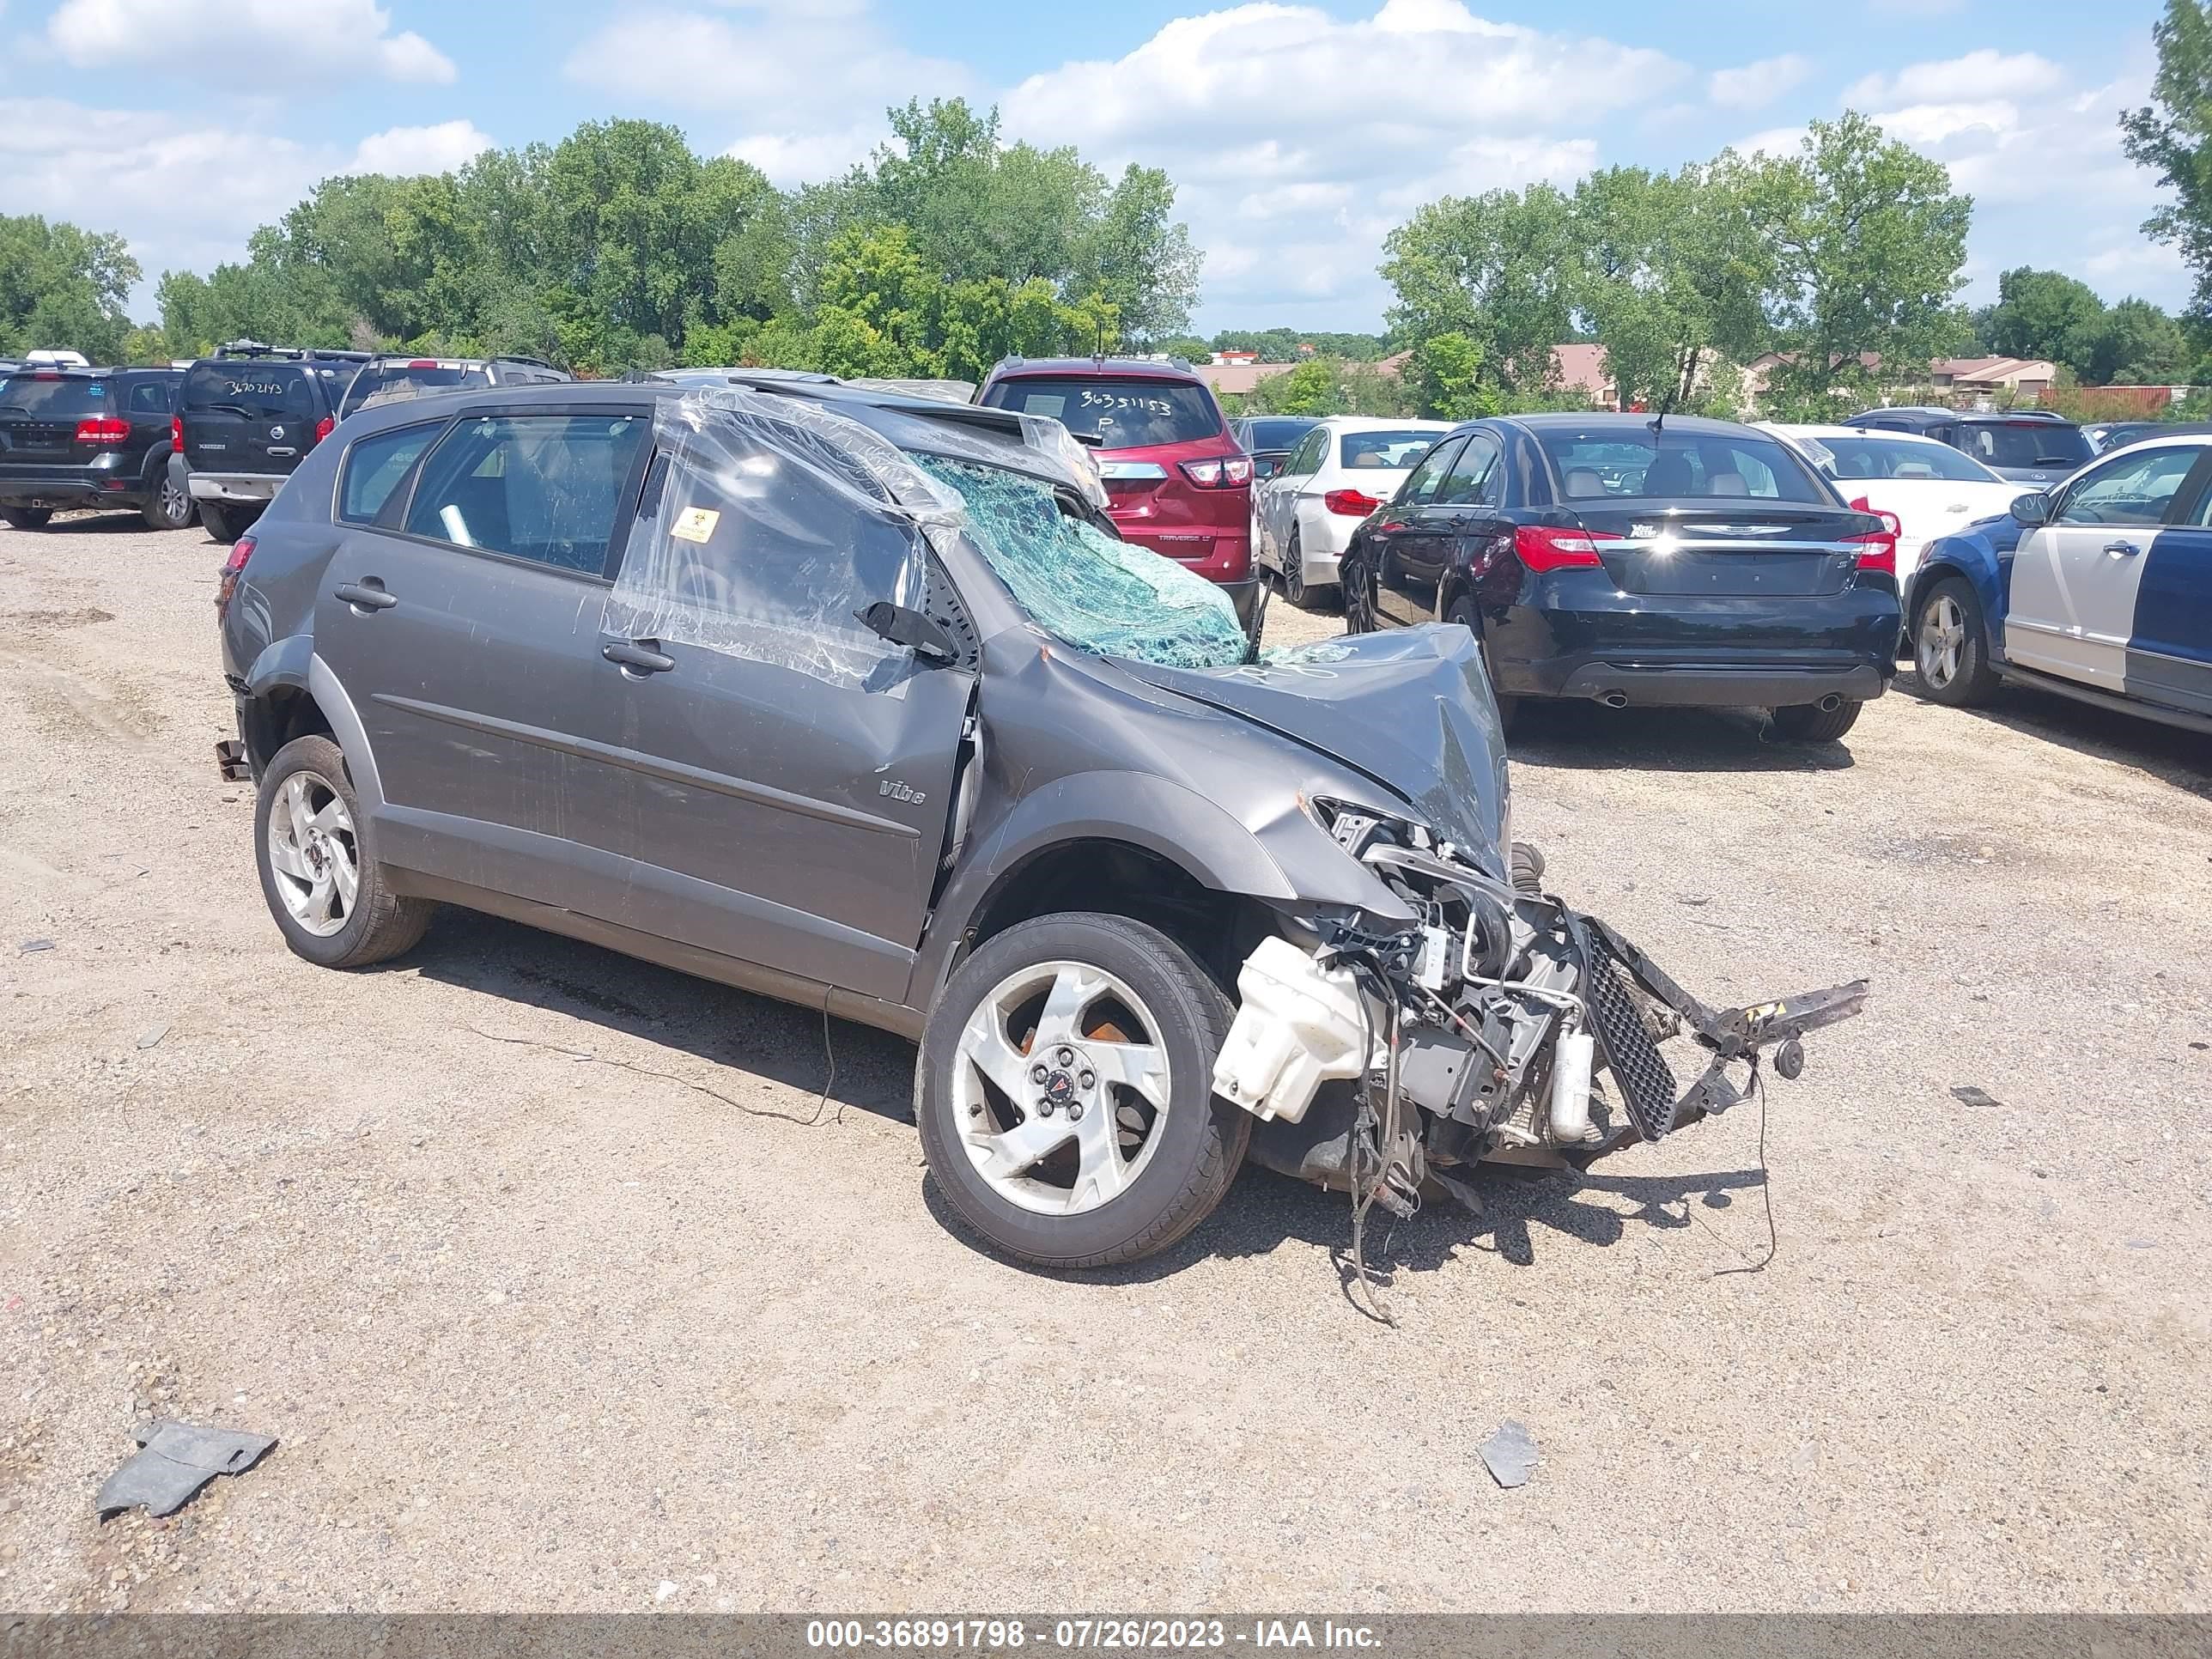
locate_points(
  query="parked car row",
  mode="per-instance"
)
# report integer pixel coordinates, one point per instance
(217, 438)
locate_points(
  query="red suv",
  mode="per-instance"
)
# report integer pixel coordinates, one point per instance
(1176, 481)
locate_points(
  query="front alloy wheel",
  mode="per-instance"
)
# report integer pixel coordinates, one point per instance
(1065, 1092)
(1940, 651)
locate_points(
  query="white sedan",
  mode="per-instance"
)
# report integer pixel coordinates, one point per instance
(1931, 488)
(1303, 518)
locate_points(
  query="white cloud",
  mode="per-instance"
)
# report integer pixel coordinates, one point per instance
(332, 40)
(404, 151)
(778, 66)
(808, 158)
(1297, 140)
(1978, 76)
(1757, 85)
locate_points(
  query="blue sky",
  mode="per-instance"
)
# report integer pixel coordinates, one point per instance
(1297, 134)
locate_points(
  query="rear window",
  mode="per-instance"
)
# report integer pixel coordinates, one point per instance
(62, 394)
(1636, 466)
(1396, 450)
(1874, 457)
(405, 381)
(255, 390)
(1121, 413)
(2024, 443)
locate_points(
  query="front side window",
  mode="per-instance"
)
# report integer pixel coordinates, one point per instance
(2132, 490)
(545, 488)
(1421, 487)
(375, 467)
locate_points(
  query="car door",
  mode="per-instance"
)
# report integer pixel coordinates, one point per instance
(791, 773)
(2169, 657)
(1463, 516)
(2071, 605)
(461, 613)
(1407, 541)
(1287, 489)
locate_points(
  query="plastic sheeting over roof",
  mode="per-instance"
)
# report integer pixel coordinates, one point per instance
(1085, 587)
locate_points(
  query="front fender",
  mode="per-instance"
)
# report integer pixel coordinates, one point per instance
(1982, 560)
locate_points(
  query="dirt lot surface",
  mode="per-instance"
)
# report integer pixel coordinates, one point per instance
(683, 1330)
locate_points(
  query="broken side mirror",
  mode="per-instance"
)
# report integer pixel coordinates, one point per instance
(903, 625)
(2031, 509)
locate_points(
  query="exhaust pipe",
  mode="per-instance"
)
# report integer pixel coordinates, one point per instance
(1613, 699)
(1830, 703)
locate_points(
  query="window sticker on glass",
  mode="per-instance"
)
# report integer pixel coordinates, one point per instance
(696, 524)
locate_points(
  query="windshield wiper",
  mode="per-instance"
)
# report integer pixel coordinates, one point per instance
(231, 409)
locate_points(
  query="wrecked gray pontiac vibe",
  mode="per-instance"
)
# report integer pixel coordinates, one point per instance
(856, 699)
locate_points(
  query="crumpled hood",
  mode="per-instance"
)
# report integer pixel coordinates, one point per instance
(1410, 709)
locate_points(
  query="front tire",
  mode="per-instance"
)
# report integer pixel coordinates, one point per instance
(1808, 722)
(332, 900)
(1065, 1092)
(25, 518)
(1951, 646)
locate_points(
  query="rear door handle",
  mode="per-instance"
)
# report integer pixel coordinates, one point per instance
(637, 656)
(2125, 549)
(367, 599)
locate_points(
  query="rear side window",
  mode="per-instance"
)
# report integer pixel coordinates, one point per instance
(545, 488)
(1120, 411)
(152, 397)
(57, 395)
(375, 467)
(265, 392)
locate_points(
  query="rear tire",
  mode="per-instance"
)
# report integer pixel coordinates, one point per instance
(170, 506)
(1175, 1158)
(217, 519)
(376, 923)
(1351, 583)
(1808, 722)
(1294, 578)
(1951, 646)
(25, 518)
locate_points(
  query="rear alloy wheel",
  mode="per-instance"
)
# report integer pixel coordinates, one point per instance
(1950, 646)
(1065, 1092)
(25, 518)
(1352, 580)
(1808, 722)
(330, 897)
(1294, 576)
(170, 506)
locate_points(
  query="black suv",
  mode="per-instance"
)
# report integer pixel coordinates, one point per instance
(245, 418)
(88, 437)
(387, 378)
(858, 699)
(2026, 446)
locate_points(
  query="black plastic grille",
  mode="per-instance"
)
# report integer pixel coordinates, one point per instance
(1647, 1085)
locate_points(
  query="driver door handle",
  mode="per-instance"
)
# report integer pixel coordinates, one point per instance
(637, 656)
(2125, 549)
(366, 598)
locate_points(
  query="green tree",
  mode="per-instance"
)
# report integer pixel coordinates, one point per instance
(1870, 241)
(1448, 382)
(2172, 135)
(2134, 344)
(2043, 313)
(63, 287)
(1498, 270)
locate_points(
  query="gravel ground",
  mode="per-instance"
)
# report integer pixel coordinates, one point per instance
(687, 1328)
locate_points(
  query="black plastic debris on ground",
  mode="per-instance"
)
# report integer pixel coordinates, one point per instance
(1510, 1454)
(1966, 1095)
(176, 1460)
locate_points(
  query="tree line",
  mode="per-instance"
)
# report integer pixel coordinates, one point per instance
(1837, 270)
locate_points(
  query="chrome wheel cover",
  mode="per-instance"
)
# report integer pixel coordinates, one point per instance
(314, 854)
(1059, 1104)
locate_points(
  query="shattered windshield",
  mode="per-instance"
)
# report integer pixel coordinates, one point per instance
(1099, 593)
